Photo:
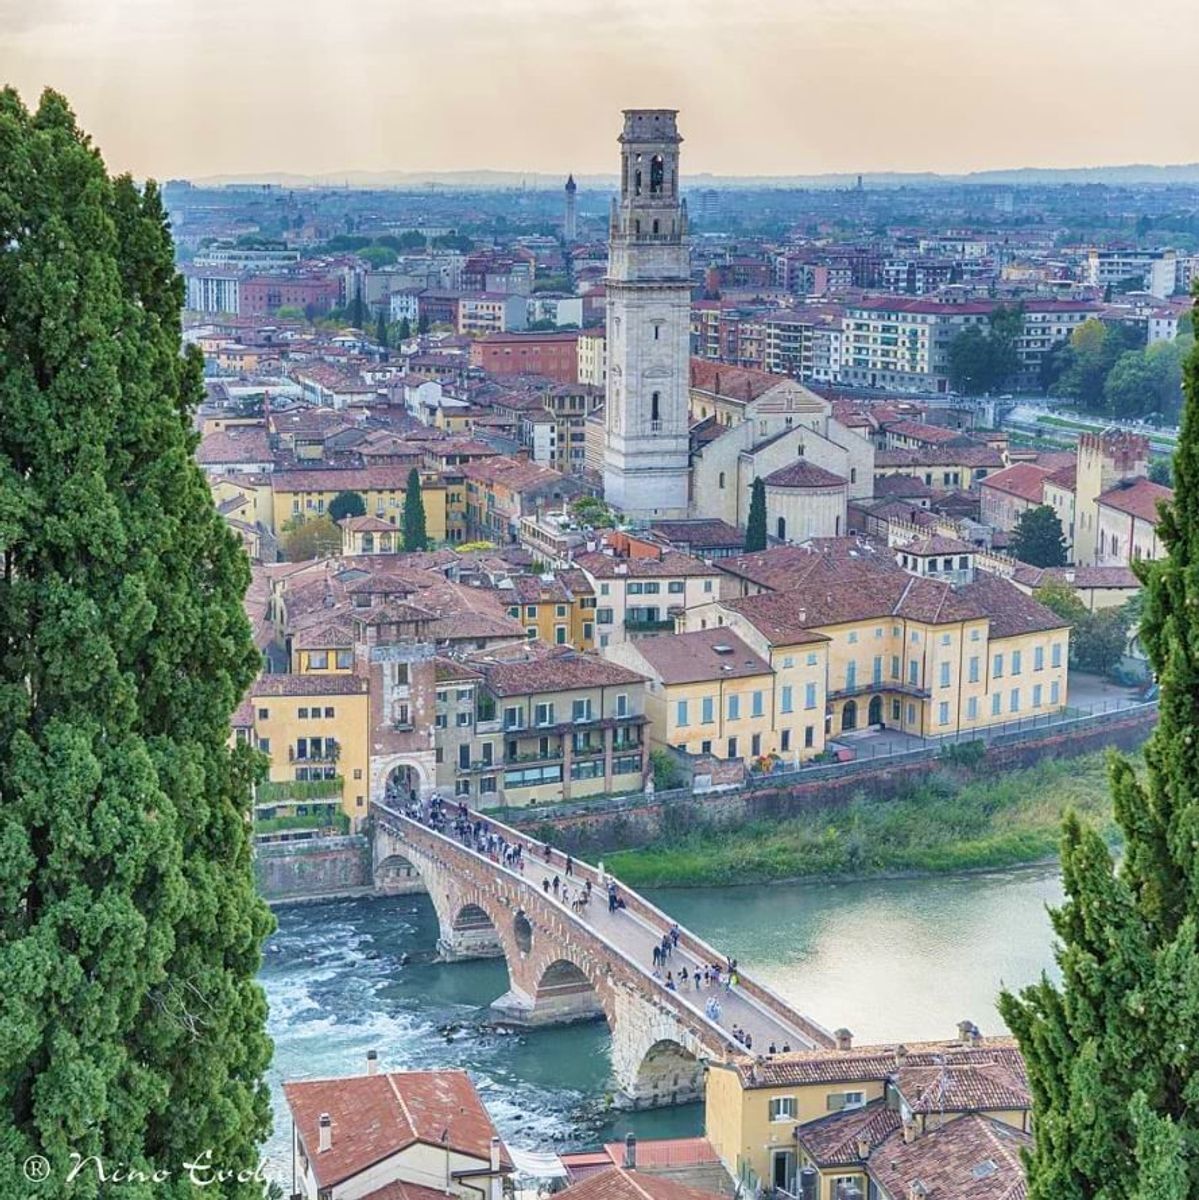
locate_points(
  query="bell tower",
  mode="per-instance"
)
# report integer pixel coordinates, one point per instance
(646, 454)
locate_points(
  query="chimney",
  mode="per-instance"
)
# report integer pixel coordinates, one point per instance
(844, 1039)
(495, 1154)
(863, 1147)
(372, 1062)
(917, 1190)
(630, 1151)
(901, 1054)
(910, 1132)
(326, 1133)
(968, 1033)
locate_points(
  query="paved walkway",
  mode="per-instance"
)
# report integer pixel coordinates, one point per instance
(635, 934)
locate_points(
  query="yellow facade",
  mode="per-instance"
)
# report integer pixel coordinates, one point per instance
(727, 718)
(559, 622)
(386, 503)
(313, 736)
(259, 507)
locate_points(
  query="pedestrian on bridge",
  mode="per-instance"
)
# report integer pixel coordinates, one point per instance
(570, 865)
(557, 884)
(657, 955)
(683, 977)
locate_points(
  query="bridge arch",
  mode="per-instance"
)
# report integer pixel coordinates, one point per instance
(565, 992)
(669, 1073)
(396, 875)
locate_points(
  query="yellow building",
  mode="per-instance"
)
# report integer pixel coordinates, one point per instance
(315, 728)
(708, 693)
(308, 493)
(565, 725)
(821, 1123)
(924, 645)
(557, 609)
(369, 535)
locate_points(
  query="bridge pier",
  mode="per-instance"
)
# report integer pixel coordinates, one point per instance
(471, 935)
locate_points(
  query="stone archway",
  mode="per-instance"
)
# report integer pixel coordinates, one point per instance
(875, 714)
(564, 993)
(849, 716)
(396, 876)
(472, 935)
(669, 1073)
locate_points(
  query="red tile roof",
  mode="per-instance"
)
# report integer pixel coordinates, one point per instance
(319, 684)
(1138, 498)
(619, 1184)
(556, 670)
(376, 1116)
(804, 474)
(1023, 480)
(704, 654)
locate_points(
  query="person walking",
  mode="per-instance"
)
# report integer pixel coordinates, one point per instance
(570, 865)
(749, 1040)
(683, 976)
(657, 955)
(556, 884)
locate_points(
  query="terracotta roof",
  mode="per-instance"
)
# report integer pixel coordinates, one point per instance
(375, 1116)
(832, 1141)
(619, 1184)
(734, 383)
(863, 1064)
(901, 485)
(238, 444)
(321, 637)
(671, 564)
(955, 454)
(804, 474)
(937, 544)
(318, 684)
(666, 1152)
(398, 1189)
(382, 477)
(701, 534)
(1138, 498)
(1023, 480)
(963, 1086)
(972, 1158)
(367, 525)
(556, 670)
(932, 435)
(1078, 577)
(704, 654)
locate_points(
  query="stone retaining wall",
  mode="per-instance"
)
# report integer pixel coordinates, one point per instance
(319, 867)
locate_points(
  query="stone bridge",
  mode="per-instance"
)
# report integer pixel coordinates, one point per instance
(566, 966)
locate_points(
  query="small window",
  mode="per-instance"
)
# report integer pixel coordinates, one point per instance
(782, 1108)
(264, 713)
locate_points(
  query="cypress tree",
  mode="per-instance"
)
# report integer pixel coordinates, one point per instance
(1113, 1052)
(416, 536)
(381, 329)
(131, 1025)
(755, 526)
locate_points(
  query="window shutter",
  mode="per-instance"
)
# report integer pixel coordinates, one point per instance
(835, 1101)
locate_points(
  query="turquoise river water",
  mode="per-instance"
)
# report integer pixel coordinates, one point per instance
(892, 960)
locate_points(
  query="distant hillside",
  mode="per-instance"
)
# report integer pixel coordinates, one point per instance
(1136, 173)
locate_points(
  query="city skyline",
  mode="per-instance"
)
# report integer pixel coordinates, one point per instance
(775, 88)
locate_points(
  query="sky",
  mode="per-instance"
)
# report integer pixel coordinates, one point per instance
(196, 88)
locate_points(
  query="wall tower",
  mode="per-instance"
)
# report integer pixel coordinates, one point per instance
(646, 452)
(570, 215)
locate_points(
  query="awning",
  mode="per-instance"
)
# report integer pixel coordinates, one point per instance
(540, 1166)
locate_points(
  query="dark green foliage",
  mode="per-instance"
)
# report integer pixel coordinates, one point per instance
(1113, 1052)
(346, 504)
(1098, 640)
(405, 329)
(1037, 538)
(381, 328)
(131, 1025)
(980, 363)
(422, 323)
(356, 310)
(416, 536)
(755, 525)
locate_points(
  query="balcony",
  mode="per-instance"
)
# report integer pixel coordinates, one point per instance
(513, 760)
(893, 685)
(641, 626)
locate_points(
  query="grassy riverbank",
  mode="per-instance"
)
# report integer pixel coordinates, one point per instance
(950, 822)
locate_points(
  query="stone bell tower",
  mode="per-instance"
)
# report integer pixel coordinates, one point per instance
(646, 453)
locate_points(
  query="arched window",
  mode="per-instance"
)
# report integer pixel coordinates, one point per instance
(655, 407)
(656, 175)
(782, 529)
(722, 479)
(655, 225)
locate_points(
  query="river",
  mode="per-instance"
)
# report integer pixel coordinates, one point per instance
(892, 960)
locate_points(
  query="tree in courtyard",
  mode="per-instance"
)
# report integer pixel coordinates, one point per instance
(593, 511)
(422, 322)
(1098, 640)
(416, 536)
(405, 329)
(356, 312)
(346, 504)
(755, 525)
(1113, 1050)
(303, 539)
(1037, 538)
(130, 932)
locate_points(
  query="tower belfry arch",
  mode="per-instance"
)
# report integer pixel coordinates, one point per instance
(646, 448)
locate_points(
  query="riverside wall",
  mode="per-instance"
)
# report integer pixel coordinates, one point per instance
(591, 832)
(318, 868)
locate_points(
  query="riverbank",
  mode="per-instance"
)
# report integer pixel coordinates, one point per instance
(951, 821)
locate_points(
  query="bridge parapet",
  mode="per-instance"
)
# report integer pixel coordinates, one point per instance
(565, 965)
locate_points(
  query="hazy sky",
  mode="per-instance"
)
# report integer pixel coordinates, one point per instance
(200, 87)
